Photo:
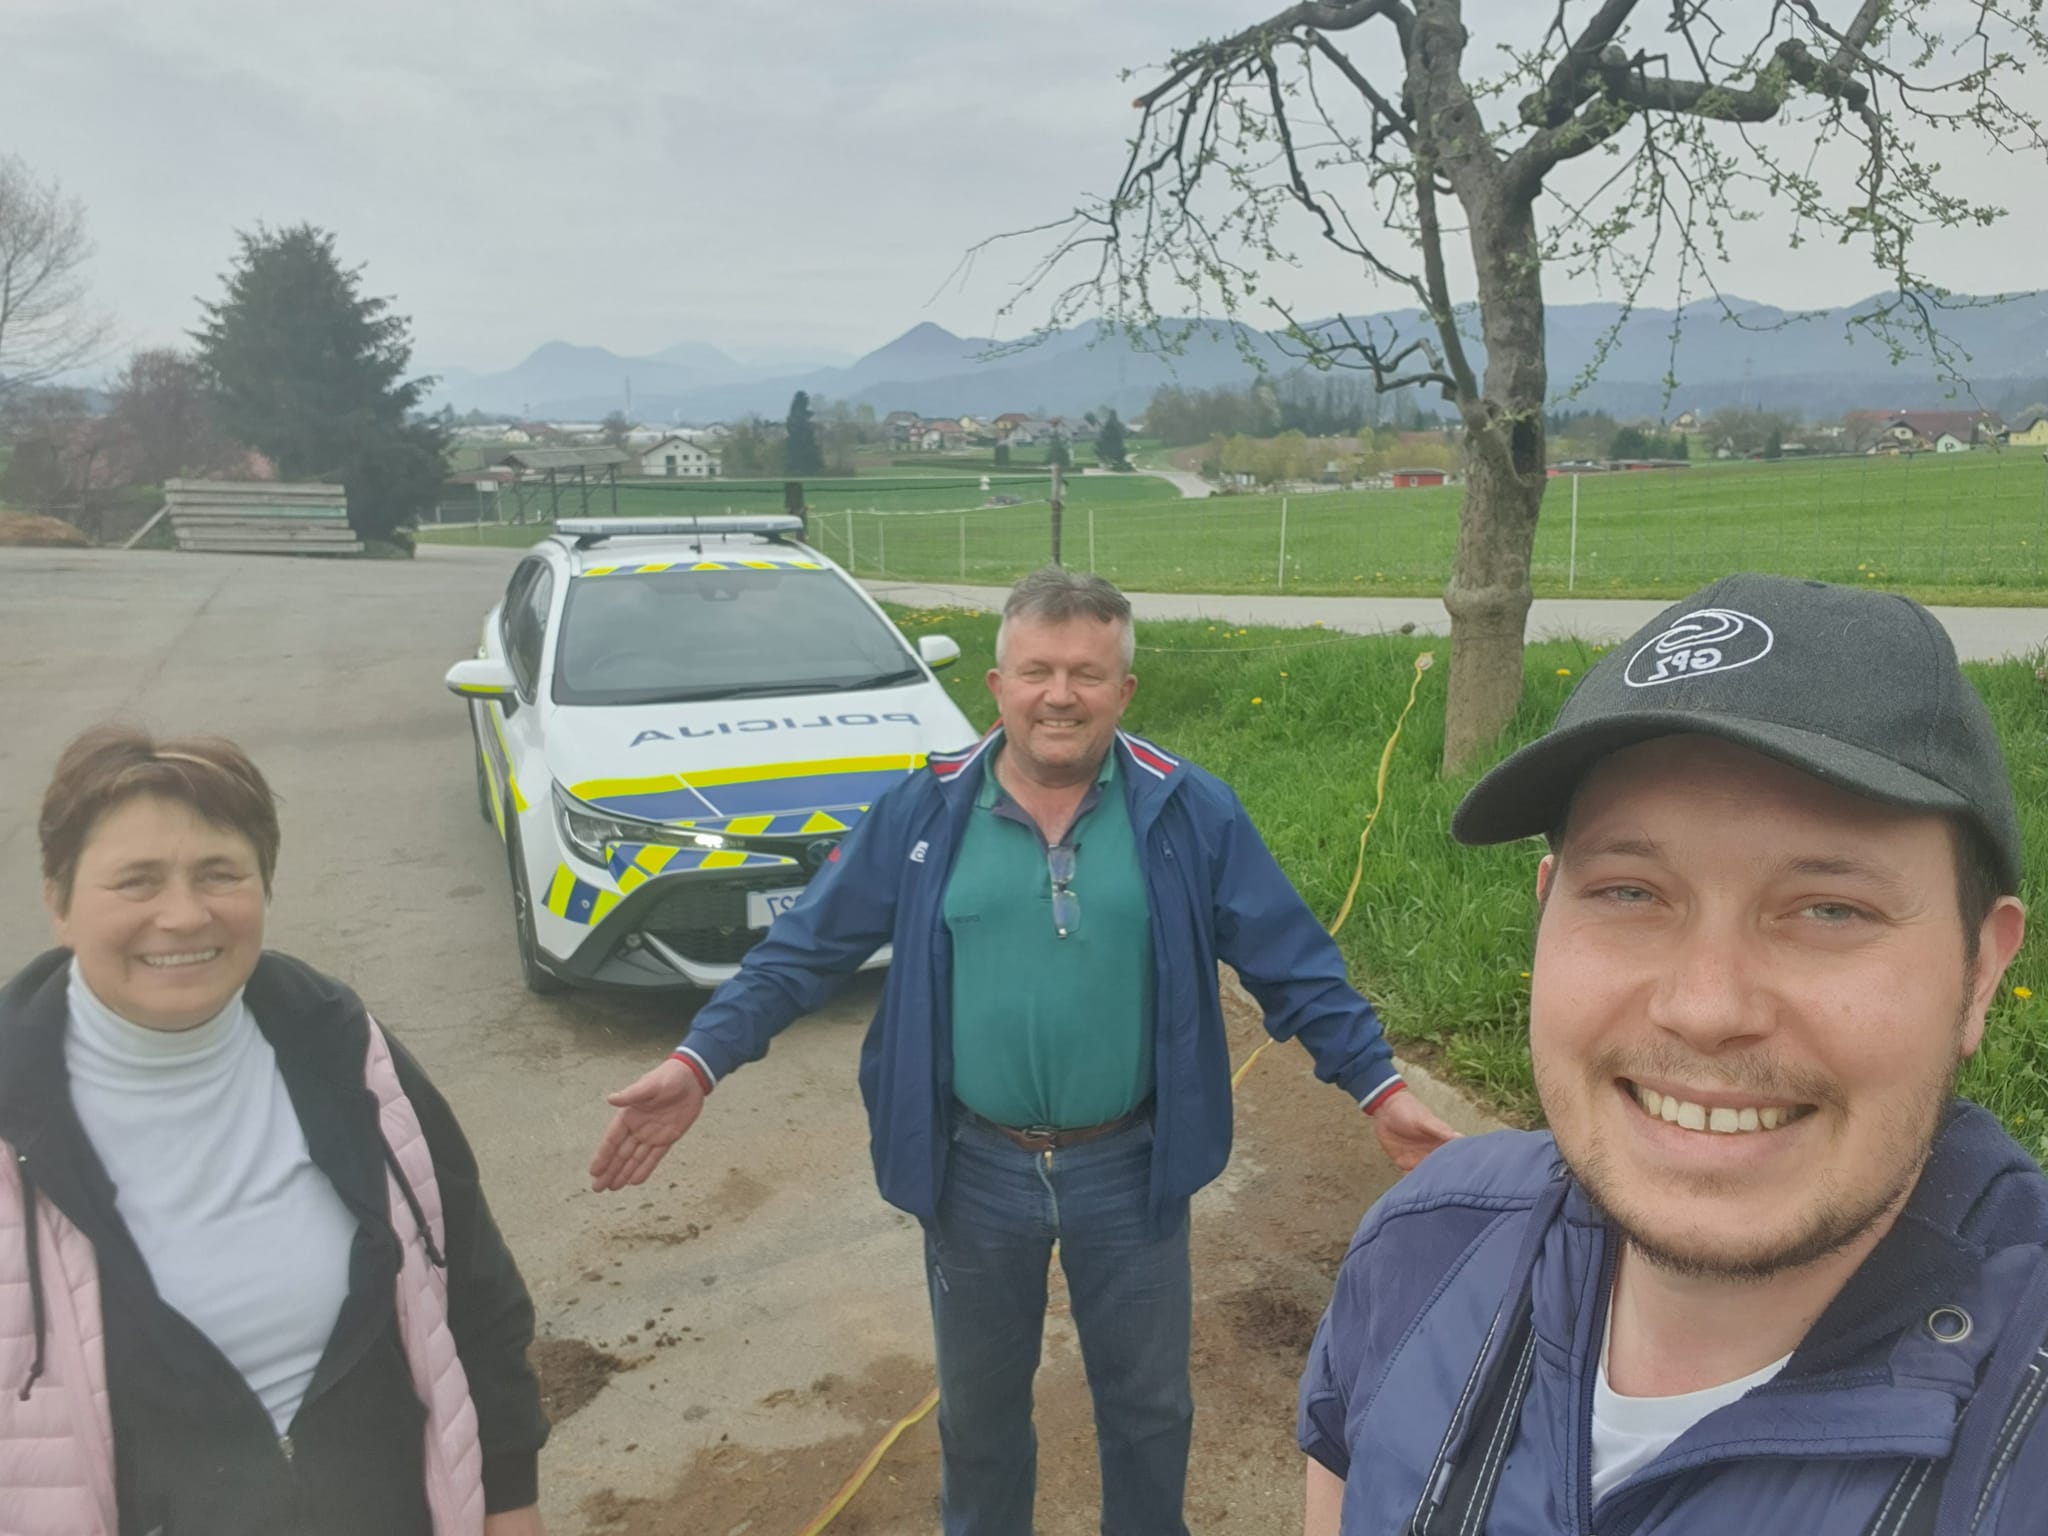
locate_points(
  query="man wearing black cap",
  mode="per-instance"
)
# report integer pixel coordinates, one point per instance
(1764, 1273)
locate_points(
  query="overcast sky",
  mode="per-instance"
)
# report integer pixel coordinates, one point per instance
(801, 175)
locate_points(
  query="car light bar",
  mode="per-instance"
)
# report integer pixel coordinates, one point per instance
(593, 528)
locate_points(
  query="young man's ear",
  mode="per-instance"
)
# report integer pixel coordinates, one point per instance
(1997, 942)
(1546, 875)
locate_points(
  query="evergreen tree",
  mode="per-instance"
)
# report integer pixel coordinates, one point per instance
(1109, 444)
(800, 454)
(1056, 451)
(308, 369)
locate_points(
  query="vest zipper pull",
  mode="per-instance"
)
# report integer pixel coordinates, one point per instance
(284, 1444)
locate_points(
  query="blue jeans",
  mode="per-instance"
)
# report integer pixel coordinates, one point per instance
(986, 1260)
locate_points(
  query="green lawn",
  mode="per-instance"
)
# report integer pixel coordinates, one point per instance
(1296, 720)
(1960, 528)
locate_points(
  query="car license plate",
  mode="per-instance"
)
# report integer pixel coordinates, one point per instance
(763, 907)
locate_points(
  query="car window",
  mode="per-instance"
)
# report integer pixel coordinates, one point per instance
(527, 627)
(515, 594)
(659, 636)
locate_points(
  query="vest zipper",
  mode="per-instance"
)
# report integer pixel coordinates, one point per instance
(284, 1444)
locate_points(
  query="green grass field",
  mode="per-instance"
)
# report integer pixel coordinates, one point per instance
(1295, 721)
(1961, 528)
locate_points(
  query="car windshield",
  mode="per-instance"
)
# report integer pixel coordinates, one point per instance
(639, 637)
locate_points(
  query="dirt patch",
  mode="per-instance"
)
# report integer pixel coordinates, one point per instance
(28, 531)
(662, 1232)
(571, 1373)
(1263, 1265)
(739, 1194)
(1272, 1321)
(734, 1490)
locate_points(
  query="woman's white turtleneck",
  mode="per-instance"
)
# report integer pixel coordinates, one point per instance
(242, 1233)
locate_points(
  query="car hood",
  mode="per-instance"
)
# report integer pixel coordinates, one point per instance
(773, 766)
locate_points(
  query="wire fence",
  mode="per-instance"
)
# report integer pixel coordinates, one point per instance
(1962, 521)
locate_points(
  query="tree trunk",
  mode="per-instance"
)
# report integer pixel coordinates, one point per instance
(1488, 595)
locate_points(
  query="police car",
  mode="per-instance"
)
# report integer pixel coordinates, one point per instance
(676, 720)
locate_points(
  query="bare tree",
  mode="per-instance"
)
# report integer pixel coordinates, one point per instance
(1362, 122)
(160, 422)
(46, 327)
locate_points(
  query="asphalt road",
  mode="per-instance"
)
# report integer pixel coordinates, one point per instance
(760, 1250)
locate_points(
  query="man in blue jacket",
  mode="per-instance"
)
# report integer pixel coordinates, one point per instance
(1048, 1063)
(1765, 1273)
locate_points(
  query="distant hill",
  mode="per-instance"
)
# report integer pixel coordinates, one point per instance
(1765, 357)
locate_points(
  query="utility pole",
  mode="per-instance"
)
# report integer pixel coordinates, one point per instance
(1059, 496)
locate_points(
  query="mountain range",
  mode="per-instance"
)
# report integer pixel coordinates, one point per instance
(1814, 364)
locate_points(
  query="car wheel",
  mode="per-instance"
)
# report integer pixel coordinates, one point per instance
(483, 783)
(538, 977)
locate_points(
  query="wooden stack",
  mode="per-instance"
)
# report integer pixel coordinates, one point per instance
(260, 517)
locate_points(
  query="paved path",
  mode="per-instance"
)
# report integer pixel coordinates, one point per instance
(1192, 487)
(1980, 634)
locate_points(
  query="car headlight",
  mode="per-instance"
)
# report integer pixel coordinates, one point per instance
(592, 832)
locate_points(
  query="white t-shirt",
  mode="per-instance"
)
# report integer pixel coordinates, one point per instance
(242, 1232)
(1631, 1432)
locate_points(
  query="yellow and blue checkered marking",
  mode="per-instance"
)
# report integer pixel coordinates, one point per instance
(655, 567)
(779, 792)
(632, 865)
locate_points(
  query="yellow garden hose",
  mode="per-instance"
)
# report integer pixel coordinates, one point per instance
(866, 1469)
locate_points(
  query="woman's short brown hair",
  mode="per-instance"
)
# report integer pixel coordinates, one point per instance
(112, 764)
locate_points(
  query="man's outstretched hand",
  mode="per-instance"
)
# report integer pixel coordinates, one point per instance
(1408, 1130)
(652, 1115)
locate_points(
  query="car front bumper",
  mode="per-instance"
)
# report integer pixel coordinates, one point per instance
(688, 928)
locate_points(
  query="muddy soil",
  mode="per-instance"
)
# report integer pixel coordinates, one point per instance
(1267, 1241)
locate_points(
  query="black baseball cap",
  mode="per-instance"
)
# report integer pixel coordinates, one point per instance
(1856, 687)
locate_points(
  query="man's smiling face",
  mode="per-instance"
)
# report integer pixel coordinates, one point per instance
(1750, 997)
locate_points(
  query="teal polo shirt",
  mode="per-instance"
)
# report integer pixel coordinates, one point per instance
(1049, 1030)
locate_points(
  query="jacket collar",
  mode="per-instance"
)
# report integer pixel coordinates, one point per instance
(1150, 774)
(1978, 1193)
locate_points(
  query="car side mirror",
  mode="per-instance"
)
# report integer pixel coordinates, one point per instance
(485, 678)
(938, 650)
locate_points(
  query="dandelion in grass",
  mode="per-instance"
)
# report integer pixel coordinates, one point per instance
(1525, 975)
(2023, 993)
(1564, 671)
(1257, 700)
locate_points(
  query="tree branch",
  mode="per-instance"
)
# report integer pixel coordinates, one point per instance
(1570, 83)
(1310, 13)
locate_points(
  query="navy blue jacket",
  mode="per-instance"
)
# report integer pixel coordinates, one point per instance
(1215, 893)
(1865, 1422)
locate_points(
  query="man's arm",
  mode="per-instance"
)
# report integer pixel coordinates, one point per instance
(845, 915)
(1324, 1506)
(1289, 962)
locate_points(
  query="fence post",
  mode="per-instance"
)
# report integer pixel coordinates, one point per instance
(1091, 536)
(1571, 570)
(1059, 494)
(881, 546)
(963, 546)
(1280, 578)
(849, 541)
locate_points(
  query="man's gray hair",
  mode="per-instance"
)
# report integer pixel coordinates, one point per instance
(1052, 594)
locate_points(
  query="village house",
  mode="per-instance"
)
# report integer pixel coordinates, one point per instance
(675, 457)
(2030, 431)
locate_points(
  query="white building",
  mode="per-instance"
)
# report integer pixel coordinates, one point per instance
(1948, 442)
(677, 458)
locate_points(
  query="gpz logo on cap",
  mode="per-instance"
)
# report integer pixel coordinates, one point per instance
(1704, 641)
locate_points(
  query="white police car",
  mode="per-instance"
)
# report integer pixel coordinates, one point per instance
(676, 720)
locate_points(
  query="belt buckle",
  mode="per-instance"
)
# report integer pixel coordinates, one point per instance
(1046, 1135)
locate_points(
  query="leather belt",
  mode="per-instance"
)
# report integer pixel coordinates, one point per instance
(1050, 1138)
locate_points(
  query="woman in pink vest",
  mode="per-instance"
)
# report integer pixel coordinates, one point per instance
(248, 1280)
